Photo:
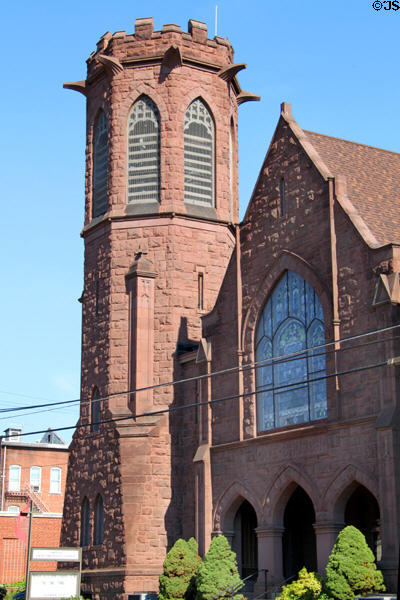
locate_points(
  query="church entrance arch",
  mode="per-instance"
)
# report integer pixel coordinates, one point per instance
(362, 511)
(298, 542)
(245, 540)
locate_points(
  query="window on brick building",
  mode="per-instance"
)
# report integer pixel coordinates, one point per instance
(100, 165)
(290, 326)
(13, 509)
(14, 478)
(55, 480)
(199, 154)
(98, 521)
(95, 411)
(35, 479)
(143, 152)
(85, 523)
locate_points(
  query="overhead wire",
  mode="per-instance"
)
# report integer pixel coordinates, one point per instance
(171, 409)
(265, 362)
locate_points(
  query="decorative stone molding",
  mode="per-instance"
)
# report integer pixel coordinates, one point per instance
(228, 73)
(111, 64)
(76, 86)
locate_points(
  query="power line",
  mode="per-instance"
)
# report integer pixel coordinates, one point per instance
(171, 409)
(265, 362)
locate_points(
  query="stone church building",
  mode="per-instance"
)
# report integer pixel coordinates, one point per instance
(235, 375)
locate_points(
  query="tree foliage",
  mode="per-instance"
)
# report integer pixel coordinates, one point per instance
(218, 574)
(179, 570)
(351, 567)
(308, 586)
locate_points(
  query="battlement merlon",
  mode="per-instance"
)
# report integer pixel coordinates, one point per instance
(147, 47)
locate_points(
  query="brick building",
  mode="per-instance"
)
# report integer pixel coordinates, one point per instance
(295, 433)
(30, 471)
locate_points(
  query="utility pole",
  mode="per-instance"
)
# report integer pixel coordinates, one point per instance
(28, 550)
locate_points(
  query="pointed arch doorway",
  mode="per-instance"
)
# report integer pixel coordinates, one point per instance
(362, 511)
(298, 541)
(245, 540)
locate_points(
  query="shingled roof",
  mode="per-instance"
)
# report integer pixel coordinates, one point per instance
(373, 181)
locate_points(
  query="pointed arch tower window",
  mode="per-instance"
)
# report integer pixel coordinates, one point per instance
(100, 166)
(85, 522)
(143, 152)
(199, 154)
(291, 322)
(98, 521)
(95, 411)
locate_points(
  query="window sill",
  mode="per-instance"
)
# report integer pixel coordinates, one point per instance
(289, 428)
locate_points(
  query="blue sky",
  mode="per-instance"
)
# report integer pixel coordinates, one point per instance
(336, 62)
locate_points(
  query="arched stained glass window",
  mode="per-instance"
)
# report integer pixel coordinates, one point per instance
(85, 523)
(199, 154)
(143, 152)
(291, 322)
(100, 166)
(98, 520)
(95, 411)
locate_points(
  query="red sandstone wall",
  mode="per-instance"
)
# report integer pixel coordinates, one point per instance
(135, 465)
(323, 458)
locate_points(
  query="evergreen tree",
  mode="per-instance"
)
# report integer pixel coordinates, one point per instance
(179, 569)
(351, 567)
(218, 574)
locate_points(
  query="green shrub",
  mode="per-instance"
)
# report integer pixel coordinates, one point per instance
(308, 586)
(15, 587)
(3, 591)
(218, 573)
(179, 570)
(351, 567)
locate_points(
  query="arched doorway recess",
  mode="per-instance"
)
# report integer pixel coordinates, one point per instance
(362, 511)
(298, 542)
(245, 539)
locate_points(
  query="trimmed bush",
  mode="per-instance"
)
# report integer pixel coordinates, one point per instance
(351, 567)
(218, 574)
(308, 586)
(179, 569)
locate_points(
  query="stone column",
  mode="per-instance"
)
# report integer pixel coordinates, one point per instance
(326, 533)
(269, 540)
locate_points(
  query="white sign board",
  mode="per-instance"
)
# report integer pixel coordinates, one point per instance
(58, 584)
(62, 554)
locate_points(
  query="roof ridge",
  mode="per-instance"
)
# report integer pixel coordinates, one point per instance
(351, 142)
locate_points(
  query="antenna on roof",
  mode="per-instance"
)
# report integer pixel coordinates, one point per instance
(216, 19)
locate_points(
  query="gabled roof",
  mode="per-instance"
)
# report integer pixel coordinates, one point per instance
(373, 181)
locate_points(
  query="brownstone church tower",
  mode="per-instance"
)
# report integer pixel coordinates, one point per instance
(160, 217)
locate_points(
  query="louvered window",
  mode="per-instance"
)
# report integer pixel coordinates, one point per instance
(100, 166)
(143, 152)
(199, 154)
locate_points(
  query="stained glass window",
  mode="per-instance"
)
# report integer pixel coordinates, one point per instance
(144, 152)
(291, 323)
(199, 154)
